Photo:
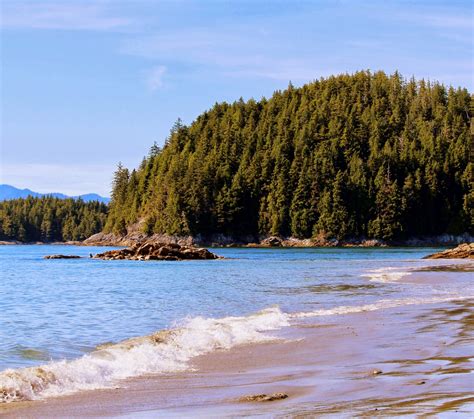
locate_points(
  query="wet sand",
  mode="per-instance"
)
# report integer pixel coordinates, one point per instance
(325, 365)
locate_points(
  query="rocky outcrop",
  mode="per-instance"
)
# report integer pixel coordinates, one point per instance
(272, 241)
(275, 241)
(134, 236)
(62, 257)
(157, 251)
(463, 251)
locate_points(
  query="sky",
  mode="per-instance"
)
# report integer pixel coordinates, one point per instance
(86, 84)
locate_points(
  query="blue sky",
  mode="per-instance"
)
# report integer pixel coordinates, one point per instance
(86, 84)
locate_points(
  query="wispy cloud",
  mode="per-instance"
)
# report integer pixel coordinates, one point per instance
(91, 16)
(234, 51)
(454, 24)
(155, 78)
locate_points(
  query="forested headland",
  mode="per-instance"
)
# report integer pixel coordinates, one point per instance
(367, 155)
(363, 155)
(49, 219)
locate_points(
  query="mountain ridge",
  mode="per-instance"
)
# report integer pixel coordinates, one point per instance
(8, 192)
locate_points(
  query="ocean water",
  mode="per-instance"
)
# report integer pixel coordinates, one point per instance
(66, 325)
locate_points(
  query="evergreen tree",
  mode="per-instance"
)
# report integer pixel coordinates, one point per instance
(367, 154)
(50, 219)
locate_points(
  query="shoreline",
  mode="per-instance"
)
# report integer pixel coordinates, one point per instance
(219, 240)
(324, 365)
(389, 358)
(343, 245)
(134, 237)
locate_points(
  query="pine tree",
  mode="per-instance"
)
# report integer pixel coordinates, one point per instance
(343, 156)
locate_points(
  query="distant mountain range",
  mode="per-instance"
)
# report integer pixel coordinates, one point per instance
(10, 192)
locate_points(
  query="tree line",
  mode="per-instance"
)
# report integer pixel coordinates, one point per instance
(48, 219)
(362, 155)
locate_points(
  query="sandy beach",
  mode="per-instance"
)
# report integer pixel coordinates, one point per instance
(414, 359)
(233, 209)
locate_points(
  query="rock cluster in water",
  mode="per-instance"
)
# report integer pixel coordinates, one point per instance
(62, 257)
(157, 251)
(463, 251)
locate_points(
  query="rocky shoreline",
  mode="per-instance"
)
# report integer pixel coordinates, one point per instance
(463, 251)
(134, 237)
(131, 238)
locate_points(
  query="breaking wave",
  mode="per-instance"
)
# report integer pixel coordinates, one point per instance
(386, 274)
(163, 352)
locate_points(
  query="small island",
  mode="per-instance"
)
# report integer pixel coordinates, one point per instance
(157, 251)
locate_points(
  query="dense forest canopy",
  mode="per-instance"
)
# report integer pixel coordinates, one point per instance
(362, 155)
(50, 219)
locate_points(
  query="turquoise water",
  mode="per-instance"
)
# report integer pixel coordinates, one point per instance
(55, 313)
(62, 309)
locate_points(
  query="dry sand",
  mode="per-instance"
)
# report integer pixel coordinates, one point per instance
(325, 365)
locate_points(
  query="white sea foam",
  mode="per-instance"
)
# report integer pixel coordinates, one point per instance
(379, 305)
(164, 352)
(389, 274)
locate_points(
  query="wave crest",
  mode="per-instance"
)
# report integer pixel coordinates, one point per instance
(166, 351)
(162, 352)
(386, 275)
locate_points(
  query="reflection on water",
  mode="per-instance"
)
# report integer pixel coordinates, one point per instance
(425, 367)
(459, 267)
(326, 288)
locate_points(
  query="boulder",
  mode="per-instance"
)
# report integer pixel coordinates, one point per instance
(191, 253)
(164, 251)
(272, 241)
(463, 251)
(145, 249)
(171, 258)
